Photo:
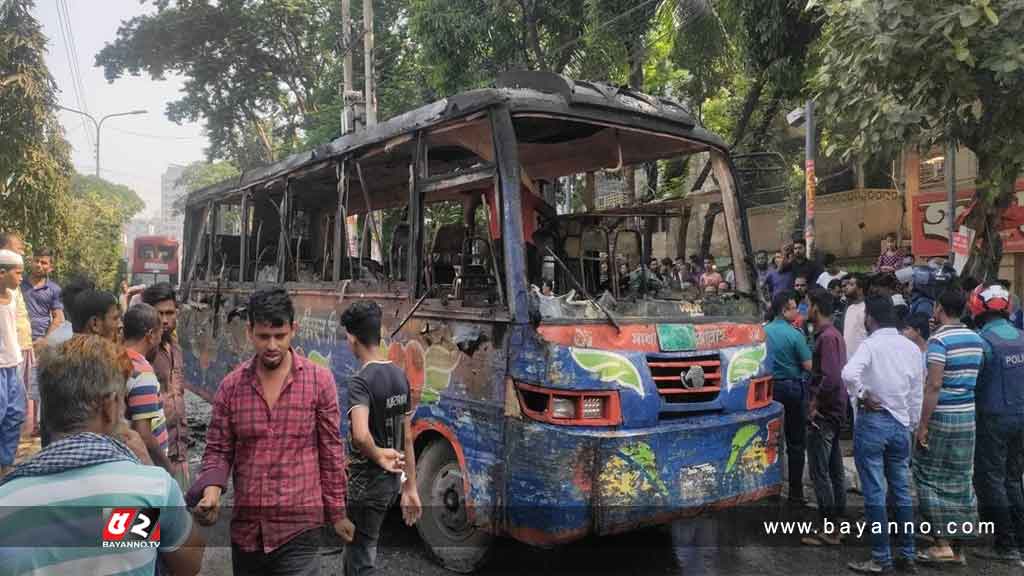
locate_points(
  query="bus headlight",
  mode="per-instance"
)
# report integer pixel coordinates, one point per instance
(593, 407)
(569, 407)
(563, 408)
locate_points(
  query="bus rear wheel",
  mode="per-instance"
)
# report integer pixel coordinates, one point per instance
(451, 538)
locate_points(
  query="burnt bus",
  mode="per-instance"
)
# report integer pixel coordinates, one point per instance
(613, 398)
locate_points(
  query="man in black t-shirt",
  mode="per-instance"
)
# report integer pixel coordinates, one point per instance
(381, 460)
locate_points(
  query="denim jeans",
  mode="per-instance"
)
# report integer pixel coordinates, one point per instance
(826, 462)
(12, 413)
(370, 494)
(881, 448)
(790, 393)
(300, 556)
(998, 465)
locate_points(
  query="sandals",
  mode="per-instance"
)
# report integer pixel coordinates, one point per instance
(928, 557)
(821, 540)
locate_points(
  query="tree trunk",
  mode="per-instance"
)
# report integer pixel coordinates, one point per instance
(629, 182)
(749, 104)
(588, 191)
(653, 191)
(709, 229)
(987, 215)
(634, 49)
(684, 226)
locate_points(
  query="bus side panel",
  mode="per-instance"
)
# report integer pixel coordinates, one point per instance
(564, 483)
(457, 372)
(211, 352)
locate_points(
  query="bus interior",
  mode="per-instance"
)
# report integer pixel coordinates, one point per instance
(360, 215)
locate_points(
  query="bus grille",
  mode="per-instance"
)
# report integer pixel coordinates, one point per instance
(669, 376)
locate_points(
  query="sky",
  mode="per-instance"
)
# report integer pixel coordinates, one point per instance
(135, 150)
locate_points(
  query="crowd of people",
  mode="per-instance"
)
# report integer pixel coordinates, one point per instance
(113, 434)
(936, 399)
(935, 391)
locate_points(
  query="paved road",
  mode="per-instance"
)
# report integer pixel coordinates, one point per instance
(741, 549)
(645, 552)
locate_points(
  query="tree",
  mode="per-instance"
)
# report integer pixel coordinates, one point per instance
(202, 174)
(265, 75)
(97, 212)
(467, 43)
(253, 68)
(34, 157)
(930, 71)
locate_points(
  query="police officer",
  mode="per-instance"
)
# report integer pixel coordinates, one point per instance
(999, 397)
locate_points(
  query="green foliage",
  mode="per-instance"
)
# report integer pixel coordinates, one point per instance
(202, 174)
(97, 212)
(467, 43)
(34, 157)
(926, 71)
(254, 69)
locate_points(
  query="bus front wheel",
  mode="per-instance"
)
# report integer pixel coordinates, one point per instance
(451, 538)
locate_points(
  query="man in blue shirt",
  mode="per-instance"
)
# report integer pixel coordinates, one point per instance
(42, 296)
(999, 406)
(790, 361)
(780, 277)
(45, 314)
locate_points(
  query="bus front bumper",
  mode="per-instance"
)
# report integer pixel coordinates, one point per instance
(565, 483)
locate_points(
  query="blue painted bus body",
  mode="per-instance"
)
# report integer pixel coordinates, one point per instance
(539, 482)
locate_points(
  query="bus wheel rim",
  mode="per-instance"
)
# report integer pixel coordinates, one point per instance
(450, 500)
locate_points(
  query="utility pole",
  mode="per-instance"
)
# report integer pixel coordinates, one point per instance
(811, 147)
(949, 165)
(371, 94)
(347, 110)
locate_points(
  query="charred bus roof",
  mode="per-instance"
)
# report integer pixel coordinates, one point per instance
(524, 93)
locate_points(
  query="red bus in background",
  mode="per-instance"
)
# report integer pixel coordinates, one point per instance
(154, 259)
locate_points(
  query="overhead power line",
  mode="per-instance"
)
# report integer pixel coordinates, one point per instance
(72, 68)
(156, 136)
(74, 53)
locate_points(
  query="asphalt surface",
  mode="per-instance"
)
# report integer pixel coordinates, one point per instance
(727, 544)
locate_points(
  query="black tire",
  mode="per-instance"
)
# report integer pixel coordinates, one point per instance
(444, 527)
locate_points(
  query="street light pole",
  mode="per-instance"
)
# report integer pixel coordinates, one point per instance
(811, 147)
(98, 125)
(805, 117)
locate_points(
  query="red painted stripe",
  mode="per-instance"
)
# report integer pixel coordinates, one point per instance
(144, 400)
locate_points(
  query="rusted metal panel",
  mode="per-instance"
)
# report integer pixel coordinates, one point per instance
(563, 485)
(456, 368)
(514, 244)
(587, 101)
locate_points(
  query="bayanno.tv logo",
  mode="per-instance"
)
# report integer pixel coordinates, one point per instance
(131, 528)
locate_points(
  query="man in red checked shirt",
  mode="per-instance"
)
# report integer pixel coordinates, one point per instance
(275, 427)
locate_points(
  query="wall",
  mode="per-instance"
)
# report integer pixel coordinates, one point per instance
(848, 224)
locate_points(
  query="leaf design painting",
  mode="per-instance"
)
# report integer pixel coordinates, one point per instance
(440, 363)
(609, 367)
(746, 363)
(320, 359)
(740, 441)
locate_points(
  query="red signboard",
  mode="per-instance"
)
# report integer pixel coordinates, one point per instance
(960, 244)
(644, 337)
(931, 227)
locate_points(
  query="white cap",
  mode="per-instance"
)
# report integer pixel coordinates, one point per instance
(10, 258)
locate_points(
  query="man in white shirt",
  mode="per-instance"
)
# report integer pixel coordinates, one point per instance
(884, 377)
(853, 323)
(832, 271)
